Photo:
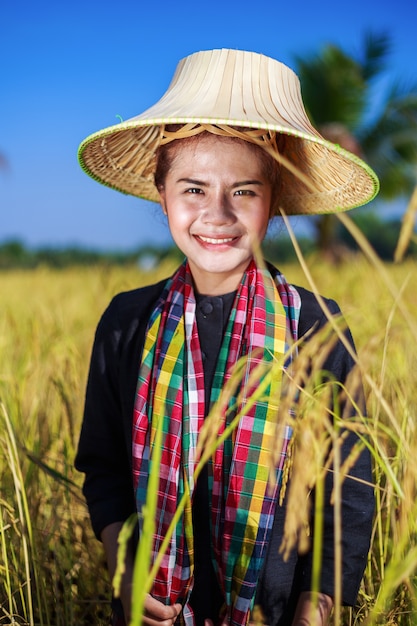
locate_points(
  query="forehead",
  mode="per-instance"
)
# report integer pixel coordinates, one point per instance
(206, 146)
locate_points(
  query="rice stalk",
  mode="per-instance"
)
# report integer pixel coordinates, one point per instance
(390, 463)
(24, 520)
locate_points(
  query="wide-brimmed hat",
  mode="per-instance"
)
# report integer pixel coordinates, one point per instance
(234, 88)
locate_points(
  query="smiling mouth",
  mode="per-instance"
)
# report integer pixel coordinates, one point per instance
(217, 240)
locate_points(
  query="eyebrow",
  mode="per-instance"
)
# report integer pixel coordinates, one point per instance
(192, 181)
(247, 182)
(200, 183)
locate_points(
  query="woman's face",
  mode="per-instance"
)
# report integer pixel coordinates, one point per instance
(217, 198)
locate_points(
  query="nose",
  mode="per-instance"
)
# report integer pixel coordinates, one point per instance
(219, 211)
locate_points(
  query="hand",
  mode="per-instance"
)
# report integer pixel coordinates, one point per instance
(158, 614)
(312, 610)
(155, 613)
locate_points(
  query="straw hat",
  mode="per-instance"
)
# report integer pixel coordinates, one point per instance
(234, 88)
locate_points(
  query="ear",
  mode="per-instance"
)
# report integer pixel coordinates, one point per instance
(162, 200)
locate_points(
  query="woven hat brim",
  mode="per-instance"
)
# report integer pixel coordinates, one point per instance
(122, 157)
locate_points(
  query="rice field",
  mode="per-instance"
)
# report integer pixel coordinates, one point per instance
(52, 570)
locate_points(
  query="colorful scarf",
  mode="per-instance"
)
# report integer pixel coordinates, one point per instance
(262, 325)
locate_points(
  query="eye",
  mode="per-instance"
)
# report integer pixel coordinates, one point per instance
(244, 192)
(192, 190)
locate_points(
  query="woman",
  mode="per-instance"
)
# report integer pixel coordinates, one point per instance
(225, 149)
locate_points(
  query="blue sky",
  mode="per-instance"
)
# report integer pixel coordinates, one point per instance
(68, 69)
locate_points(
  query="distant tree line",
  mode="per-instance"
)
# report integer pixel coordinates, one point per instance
(14, 255)
(381, 234)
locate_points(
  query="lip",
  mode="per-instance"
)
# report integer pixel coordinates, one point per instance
(217, 240)
(217, 243)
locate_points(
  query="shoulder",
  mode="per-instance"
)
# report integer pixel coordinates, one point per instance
(312, 318)
(120, 333)
(131, 307)
(124, 321)
(311, 313)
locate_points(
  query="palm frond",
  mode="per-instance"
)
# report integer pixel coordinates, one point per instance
(390, 143)
(376, 49)
(333, 87)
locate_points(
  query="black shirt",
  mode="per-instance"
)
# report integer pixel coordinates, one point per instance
(212, 314)
(105, 453)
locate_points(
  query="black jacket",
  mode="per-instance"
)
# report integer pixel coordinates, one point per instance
(105, 454)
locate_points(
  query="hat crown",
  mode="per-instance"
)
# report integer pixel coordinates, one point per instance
(224, 84)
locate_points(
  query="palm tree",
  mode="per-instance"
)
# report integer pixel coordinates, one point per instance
(340, 95)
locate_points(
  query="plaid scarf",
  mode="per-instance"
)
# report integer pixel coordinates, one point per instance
(262, 324)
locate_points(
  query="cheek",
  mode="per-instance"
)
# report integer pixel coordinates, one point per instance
(179, 219)
(261, 222)
(181, 211)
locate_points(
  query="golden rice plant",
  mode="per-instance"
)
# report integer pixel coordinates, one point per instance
(383, 319)
(51, 567)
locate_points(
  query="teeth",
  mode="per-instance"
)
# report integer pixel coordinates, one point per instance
(210, 240)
